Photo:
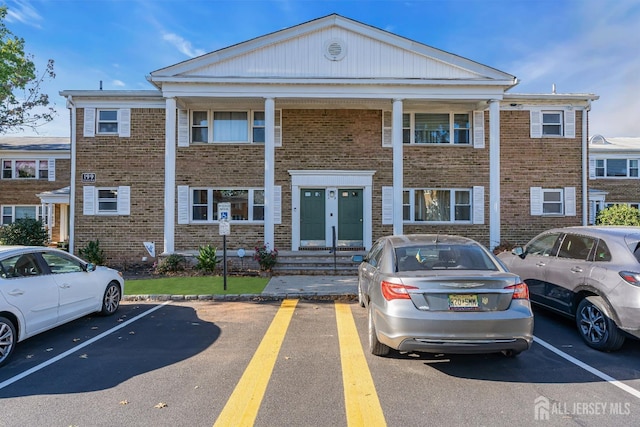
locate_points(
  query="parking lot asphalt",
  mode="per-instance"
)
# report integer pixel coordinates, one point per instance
(278, 288)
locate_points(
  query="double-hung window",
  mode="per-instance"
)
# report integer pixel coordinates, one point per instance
(227, 126)
(107, 200)
(437, 205)
(12, 213)
(552, 123)
(436, 128)
(246, 204)
(552, 202)
(616, 168)
(107, 121)
(25, 169)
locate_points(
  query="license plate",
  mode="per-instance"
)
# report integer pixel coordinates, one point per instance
(463, 301)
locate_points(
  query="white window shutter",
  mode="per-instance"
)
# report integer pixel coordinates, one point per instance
(277, 204)
(569, 124)
(387, 205)
(183, 204)
(88, 200)
(592, 168)
(124, 122)
(51, 165)
(89, 127)
(278, 130)
(478, 129)
(183, 128)
(570, 201)
(535, 196)
(124, 200)
(536, 123)
(387, 124)
(478, 205)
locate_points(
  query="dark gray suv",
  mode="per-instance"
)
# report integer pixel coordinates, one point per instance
(591, 273)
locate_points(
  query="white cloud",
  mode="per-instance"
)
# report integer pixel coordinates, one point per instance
(118, 83)
(20, 11)
(182, 45)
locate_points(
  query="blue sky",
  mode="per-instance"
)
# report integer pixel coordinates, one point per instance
(581, 46)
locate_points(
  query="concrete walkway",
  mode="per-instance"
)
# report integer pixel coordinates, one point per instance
(291, 286)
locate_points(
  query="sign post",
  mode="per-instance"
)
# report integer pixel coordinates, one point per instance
(224, 216)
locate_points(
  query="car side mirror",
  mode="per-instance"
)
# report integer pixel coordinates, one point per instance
(518, 251)
(90, 267)
(357, 258)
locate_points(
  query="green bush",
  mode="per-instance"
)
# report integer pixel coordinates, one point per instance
(25, 231)
(619, 215)
(207, 259)
(171, 264)
(92, 252)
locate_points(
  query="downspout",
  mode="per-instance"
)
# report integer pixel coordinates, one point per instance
(72, 186)
(585, 165)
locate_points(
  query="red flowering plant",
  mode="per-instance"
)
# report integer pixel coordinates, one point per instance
(265, 257)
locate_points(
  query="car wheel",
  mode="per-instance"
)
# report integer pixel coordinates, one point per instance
(375, 346)
(596, 327)
(111, 300)
(8, 339)
(360, 295)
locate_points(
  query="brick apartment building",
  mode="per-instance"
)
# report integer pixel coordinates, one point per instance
(613, 173)
(331, 131)
(35, 178)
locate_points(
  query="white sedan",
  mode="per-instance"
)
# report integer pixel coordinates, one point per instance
(41, 288)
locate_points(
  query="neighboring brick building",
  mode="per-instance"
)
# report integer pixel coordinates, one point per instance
(36, 172)
(331, 127)
(614, 165)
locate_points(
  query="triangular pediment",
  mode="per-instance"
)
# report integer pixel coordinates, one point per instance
(332, 47)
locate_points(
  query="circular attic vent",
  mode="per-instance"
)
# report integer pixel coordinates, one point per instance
(335, 49)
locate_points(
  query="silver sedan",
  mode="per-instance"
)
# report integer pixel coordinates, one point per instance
(442, 294)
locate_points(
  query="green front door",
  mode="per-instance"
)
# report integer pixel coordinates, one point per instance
(350, 217)
(312, 217)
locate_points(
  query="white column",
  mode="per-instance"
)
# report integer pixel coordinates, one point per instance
(585, 168)
(398, 165)
(269, 171)
(170, 176)
(494, 173)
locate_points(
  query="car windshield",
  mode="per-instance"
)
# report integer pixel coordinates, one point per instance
(443, 257)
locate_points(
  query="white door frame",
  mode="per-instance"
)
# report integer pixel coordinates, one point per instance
(331, 180)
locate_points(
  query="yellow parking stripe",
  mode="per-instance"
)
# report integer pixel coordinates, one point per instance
(243, 405)
(360, 396)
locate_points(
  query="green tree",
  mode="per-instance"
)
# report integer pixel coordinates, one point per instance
(21, 103)
(619, 215)
(25, 231)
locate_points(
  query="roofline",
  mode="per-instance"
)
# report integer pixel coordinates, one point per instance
(551, 96)
(112, 93)
(335, 81)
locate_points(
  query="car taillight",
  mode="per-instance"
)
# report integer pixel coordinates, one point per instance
(391, 291)
(520, 291)
(630, 277)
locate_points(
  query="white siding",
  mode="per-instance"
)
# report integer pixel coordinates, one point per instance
(304, 57)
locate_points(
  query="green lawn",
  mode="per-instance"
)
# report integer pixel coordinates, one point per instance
(200, 285)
